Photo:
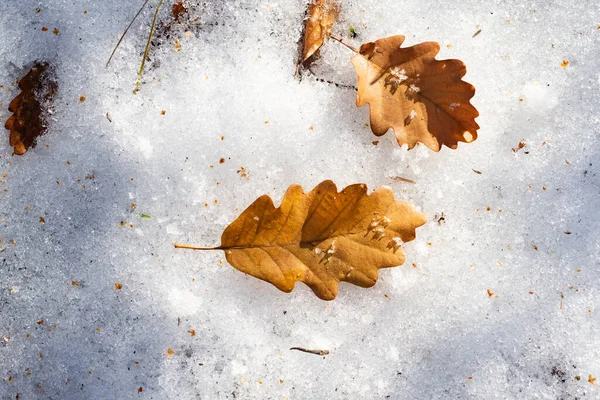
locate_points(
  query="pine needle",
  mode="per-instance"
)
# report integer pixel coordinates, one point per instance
(141, 71)
(125, 32)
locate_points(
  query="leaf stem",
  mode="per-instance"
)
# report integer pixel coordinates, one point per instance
(187, 246)
(344, 43)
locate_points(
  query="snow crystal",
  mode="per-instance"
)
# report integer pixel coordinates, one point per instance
(398, 74)
(524, 226)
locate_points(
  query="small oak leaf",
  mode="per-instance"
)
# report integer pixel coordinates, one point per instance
(422, 99)
(29, 108)
(322, 14)
(321, 237)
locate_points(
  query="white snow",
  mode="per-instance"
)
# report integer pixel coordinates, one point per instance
(526, 228)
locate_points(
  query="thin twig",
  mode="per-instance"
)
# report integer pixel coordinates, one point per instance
(125, 32)
(317, 352)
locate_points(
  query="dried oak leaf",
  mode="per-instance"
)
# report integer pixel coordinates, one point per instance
(422, 99)
(321, 237)
(29, 108)
(322, 14)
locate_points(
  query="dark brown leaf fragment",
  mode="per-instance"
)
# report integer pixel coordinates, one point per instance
(29, 119)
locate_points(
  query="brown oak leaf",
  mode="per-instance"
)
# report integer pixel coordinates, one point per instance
(322, 14)
(321, 237)
(422, 99)
(30, 106)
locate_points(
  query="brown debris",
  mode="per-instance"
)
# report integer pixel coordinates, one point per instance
(401, 179)
(170, 352)
(317, 352)
(29, 119)
(519, 146)
(178, 9)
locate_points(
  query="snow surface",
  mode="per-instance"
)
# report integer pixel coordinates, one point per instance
(495, 301)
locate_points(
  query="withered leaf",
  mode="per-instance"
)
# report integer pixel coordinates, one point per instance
(322, 14)
(321, 237)
(30, 106)
(422, 99)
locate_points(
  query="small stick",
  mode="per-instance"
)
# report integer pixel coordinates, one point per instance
(317, 352)
(344, 43)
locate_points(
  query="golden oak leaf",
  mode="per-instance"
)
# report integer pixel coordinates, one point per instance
(321, 237)
(422, 99)
(322, 14)
(29, 120)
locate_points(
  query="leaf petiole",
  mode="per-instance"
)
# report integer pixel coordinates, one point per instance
(344, 43)
(187, 246)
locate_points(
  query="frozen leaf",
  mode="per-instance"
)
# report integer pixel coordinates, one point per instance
(321, 237)
(322, 14)
(29, 108)
(422, 99)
